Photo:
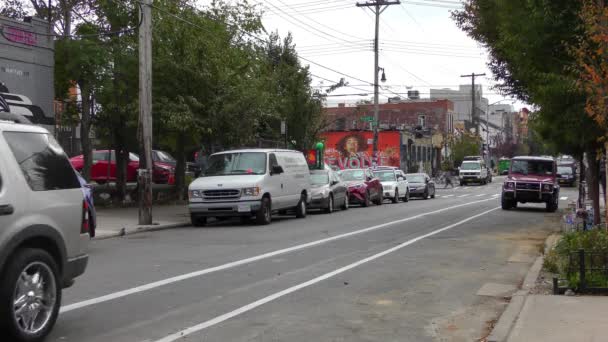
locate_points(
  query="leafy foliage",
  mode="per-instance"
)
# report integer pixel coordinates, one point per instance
(563, 258)
(465, 145)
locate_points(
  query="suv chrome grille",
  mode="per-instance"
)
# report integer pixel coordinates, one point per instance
(528, 186)
(221, 194)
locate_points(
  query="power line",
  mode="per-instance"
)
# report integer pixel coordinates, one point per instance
(266, 42)
(431, 4)
(334, 82)
(412, 17)
(317, 10)
(421, 52)
(303, 24)
(313, 20)
(402, 68)
(316, 3)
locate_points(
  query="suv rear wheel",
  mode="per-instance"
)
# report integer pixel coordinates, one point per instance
(30, 295)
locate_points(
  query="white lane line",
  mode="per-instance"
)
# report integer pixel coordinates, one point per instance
(461, 196)
(243, 309)
(465, 188)
(480, 195)
(563, 198)
(447, 196)
(163, 282)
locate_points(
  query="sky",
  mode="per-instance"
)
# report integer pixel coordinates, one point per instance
(420, 45)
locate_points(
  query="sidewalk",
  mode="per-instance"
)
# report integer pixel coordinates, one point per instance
(555, 318)
(562, 318)
(122, 221)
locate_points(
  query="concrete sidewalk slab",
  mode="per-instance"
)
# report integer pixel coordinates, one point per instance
(124, 221)
(561, 318)
(496, 290)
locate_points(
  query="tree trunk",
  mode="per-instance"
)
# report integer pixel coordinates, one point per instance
(604, 183)
(180, 168)
(581, 181)
(593, 185)
(85, 128)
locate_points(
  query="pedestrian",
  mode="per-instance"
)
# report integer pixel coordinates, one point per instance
(448, 179)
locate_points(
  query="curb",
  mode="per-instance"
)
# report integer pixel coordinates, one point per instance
(141, 229)
(502, 329)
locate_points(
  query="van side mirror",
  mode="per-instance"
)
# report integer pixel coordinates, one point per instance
(334, 182)
(277, 170)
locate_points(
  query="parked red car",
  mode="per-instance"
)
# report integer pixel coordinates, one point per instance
(363, 186)
(104, 168)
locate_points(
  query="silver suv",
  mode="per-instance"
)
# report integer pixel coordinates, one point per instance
(43, 229)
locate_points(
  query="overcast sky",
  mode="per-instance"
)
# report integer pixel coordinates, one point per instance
(421, 46)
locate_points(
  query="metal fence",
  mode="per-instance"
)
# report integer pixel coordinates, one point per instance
(587, 272)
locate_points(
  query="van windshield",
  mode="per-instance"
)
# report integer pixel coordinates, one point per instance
(243, 163)
(470, 166)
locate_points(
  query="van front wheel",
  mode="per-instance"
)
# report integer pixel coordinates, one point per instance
(264, 214)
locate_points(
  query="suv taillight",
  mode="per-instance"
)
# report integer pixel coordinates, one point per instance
(84, 228)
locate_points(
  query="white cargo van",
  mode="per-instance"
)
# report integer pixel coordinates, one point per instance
(250, 183)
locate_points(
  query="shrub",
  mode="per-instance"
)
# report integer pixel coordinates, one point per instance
(563, 258)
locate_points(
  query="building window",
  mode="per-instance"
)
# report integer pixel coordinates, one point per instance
(422, 121)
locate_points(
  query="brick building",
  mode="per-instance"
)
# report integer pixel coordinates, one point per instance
(424, 125)
(430, 115)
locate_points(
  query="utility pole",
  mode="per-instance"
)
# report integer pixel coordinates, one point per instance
(377, 7)
(144, 178)
(473, 109)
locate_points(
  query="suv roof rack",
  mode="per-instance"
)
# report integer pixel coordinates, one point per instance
(16, 118)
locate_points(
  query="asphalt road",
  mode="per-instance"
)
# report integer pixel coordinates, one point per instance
(427, 270)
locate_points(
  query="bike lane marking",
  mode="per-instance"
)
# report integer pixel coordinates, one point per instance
(243, 309)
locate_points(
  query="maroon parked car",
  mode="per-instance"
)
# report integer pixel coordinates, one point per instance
(363, 186)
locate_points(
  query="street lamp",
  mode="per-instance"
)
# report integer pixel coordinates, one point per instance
(376, 113)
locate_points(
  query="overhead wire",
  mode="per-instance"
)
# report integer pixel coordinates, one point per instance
(266, 42)
(318, 23)
(307, 27)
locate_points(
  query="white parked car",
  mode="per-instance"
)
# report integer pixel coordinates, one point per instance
(394, 184)
(250, 183)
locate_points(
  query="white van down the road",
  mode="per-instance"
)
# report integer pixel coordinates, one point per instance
(251, 183)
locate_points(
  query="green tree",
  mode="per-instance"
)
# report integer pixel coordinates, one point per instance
(13, 9)
(81, 61)
(294, 99)
(465, 145)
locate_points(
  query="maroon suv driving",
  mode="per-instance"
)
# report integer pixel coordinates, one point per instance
(531, 179)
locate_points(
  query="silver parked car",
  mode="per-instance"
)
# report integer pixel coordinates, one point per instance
(328, 191)
(44, 229)
(421, 185)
